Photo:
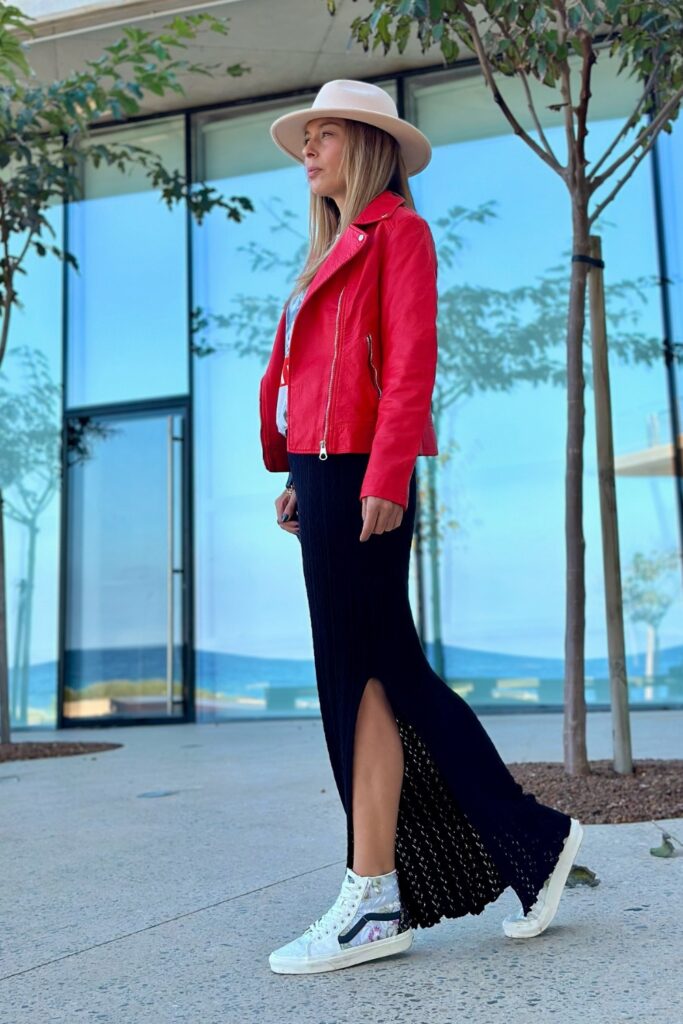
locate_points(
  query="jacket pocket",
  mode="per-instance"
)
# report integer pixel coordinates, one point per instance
(372, 367)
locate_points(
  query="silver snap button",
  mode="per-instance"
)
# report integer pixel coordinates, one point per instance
(360, 238)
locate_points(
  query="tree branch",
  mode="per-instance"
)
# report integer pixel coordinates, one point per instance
(565, 87)
(18, 259)
(488, 75)
(589, 59)
(8, 298)
(530, 103)
(631, 121)
(622, 181)
(650, 129)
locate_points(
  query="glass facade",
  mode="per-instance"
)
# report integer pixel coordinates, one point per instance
(498, 580)
(127, 327)
(31, 415)
(181, 596)
(241, 274)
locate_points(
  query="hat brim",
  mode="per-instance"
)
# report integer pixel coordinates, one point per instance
(288, 133)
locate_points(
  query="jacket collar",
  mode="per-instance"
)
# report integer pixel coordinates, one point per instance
(383, 205)
(350, 242)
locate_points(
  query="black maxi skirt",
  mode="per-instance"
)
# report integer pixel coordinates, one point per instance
(466, 830)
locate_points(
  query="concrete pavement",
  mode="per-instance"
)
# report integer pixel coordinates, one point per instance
(122, 906)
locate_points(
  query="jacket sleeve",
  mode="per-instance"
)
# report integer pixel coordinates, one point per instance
(408, 310)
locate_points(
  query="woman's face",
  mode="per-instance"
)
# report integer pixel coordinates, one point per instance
(324, 140)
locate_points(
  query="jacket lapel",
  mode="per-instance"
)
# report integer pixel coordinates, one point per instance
(352, 240)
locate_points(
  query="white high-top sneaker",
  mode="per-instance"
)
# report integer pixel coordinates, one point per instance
(362, 924)
(539, 916)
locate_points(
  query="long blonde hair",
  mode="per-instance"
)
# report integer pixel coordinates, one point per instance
(371, 162)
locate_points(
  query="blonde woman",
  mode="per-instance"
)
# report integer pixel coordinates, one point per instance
(437, 827)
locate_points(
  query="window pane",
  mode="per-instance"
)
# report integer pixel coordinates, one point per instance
(123, 614)
(30, 419)
(252, 627)
(251, 639)
(127, 306)
(500, 403)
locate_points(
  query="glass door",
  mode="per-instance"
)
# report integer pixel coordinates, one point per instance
(126, 557)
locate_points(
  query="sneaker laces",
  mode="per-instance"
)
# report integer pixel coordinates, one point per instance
(333, 918)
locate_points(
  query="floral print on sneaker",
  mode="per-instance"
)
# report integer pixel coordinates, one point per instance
(380, 896)
(367, 910)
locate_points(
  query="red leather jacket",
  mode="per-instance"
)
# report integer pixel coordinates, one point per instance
(363, 352)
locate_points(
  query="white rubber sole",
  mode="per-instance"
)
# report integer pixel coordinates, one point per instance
(349, 957)
(521, 929)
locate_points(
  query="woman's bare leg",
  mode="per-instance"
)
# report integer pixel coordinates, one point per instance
(377, 780)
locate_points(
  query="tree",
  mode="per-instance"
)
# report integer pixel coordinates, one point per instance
(648, 602)
(45, 142)
(541, 39)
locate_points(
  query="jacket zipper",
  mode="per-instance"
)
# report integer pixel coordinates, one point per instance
(323, 440)
(374, 368)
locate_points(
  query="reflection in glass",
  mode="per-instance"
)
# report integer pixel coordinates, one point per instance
(252, 645)
(30, 423)
(252, 632)
(127, 305)
(494, 531)
(670, 154)
(492, 505)
(124, 614)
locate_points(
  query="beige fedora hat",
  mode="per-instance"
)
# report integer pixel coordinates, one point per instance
(360, 101)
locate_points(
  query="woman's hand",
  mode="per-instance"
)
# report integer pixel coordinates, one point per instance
(379, 515)
(285, 505)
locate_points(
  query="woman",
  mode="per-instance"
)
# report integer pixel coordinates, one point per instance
(436, 825)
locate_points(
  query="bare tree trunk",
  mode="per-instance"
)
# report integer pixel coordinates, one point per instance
(614, 613)
(7, 282)
(24, 683)
(650, 654)
(4, 672)
(435, 577)
(575, 755)
(19, 620)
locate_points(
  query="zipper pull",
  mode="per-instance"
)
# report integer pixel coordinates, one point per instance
(323, 450)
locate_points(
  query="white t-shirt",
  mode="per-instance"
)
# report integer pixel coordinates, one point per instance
(291, 310)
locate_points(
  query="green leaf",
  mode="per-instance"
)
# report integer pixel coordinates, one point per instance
(666, 849)
(129, 105)
(574, 17)
(449, 48)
